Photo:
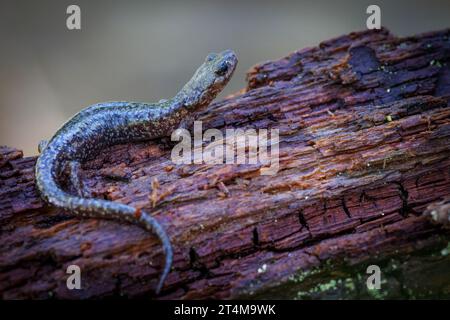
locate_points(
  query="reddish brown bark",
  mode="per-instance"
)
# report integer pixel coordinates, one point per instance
(364, 124)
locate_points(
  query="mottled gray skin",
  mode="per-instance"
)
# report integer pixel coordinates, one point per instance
(105, 124)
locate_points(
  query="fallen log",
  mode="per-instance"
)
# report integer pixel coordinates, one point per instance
(364, 125)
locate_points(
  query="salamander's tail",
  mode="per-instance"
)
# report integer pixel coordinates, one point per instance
(46, 173)
(168, 252)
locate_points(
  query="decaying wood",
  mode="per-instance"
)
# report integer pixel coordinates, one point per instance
(364, 124)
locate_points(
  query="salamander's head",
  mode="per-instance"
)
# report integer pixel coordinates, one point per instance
(220, 66)
(209, 79)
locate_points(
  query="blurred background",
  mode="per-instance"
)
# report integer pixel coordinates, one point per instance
(146, 50)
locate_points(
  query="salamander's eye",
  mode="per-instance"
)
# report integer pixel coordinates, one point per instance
(222, 68)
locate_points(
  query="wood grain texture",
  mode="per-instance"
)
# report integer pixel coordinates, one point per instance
(364, 124)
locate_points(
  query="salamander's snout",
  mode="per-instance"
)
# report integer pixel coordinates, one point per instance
(229, 55)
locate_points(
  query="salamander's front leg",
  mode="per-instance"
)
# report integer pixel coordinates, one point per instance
(74, 174)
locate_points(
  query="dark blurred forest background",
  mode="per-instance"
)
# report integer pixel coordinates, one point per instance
(146, 50)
